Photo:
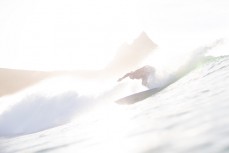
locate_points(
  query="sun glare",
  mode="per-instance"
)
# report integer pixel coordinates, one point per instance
(69, 34)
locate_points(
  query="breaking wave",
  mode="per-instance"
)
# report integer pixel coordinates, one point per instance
(57, 101)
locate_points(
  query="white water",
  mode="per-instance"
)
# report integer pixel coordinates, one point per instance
(54, 102)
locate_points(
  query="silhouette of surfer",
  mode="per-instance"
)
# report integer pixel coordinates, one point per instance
(143, 73)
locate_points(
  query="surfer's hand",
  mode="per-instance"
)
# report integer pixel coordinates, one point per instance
(120, 79)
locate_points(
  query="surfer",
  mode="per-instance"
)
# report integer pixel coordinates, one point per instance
(143, 73)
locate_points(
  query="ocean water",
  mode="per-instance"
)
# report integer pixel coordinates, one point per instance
(188, 116)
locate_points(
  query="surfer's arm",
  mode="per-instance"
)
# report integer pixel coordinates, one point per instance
(142, 74)
(125, 76)
(139, 73)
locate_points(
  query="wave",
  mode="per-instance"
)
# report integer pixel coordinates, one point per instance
(57, 101)
(179, 65)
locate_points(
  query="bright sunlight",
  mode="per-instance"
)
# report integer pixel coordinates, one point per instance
(52, 35)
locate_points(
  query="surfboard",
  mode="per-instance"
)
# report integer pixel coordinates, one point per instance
(136, 97)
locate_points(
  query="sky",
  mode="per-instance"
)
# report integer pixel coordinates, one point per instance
(70, 34)
(176, 20)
